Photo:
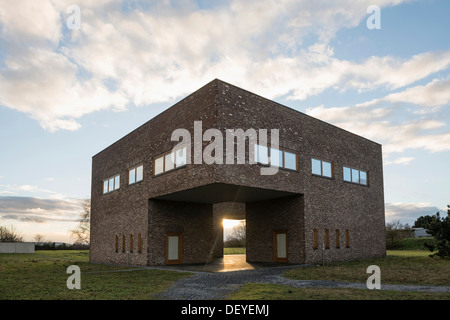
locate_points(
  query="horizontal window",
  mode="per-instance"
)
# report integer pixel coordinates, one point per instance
(111, 184)
(170, 161)
(321, 168)
(276, 157)
(355, 176)
(136, 174)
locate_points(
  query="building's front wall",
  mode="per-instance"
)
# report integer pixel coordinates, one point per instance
(321, 203)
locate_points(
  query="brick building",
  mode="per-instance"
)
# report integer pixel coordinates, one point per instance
(164, 207)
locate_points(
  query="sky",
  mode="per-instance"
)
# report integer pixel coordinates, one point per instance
(70, 87)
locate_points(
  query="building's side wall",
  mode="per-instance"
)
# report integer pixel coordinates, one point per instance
(125, 211)
(265, 217)
(333, 204)
(193, 221)
(329, 203)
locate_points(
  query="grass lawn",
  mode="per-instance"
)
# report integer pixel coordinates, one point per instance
(42, 276)
(260, 291)
(234, 250)
(398, 267)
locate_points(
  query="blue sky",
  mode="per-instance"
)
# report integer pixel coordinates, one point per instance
(67, 94)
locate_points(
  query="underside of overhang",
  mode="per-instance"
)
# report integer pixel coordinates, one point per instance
(221, 192)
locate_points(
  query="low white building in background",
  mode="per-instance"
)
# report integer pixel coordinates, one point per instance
(16, 247)
(420, 233)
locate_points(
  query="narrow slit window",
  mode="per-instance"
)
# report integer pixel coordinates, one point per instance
(139, 243)
(316, 242)
(327, 239)
(338, 244)
(131, 243)
(117, 244)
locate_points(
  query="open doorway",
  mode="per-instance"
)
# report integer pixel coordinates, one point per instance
(234, 236)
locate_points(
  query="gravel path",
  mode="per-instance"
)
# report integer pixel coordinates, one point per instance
(210, 286)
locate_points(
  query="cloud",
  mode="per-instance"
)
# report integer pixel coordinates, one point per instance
(398, 127)
(135, 54)
(399, 161)
(408, 212)
(31, 209)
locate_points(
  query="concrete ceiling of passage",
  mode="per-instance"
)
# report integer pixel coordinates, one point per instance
(221, 192)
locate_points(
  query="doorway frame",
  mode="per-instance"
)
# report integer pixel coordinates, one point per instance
(275, 251)
(180, 247)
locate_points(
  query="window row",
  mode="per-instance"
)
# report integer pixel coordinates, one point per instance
(111, 184)
(131, 244)
(276, 157)
(135, 175)
(325, 169)
(326, 242)
(355, 176)
(170, 161)
(263, 155)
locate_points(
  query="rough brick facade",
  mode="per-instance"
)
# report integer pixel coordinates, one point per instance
(193, 199)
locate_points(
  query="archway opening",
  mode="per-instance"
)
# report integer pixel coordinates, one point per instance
(234, 236)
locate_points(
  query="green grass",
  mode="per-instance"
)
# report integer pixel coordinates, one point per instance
(405, 267)
(398, 267)
(42, 276)
(234, 250)
(260, 291)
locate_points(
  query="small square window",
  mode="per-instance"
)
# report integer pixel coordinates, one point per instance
(276, 157)
(181, 157)
(132, 176)
(139, 173)
(355, 176)
(316, 167)
(347, 174)
(290, 160)
(116, 182)
(262, 154)
(326, 169)
(363, 177)
(111, 185)
(169, 162)
(159, 165)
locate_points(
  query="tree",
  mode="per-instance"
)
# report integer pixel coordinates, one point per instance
(422, 222)
(10, 234)
(238, 236)
(395, 231)
(82, 232)
(39, 239)
(439, 228)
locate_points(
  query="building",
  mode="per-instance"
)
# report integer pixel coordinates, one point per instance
(153, 207)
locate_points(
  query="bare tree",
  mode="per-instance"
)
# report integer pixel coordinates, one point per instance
(238, 237)
(10, 234)
(39, 239)
(82, 232)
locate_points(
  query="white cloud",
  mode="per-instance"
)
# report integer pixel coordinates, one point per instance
(398, 127)
(399, 161)
(154, 55)
(408, 212)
